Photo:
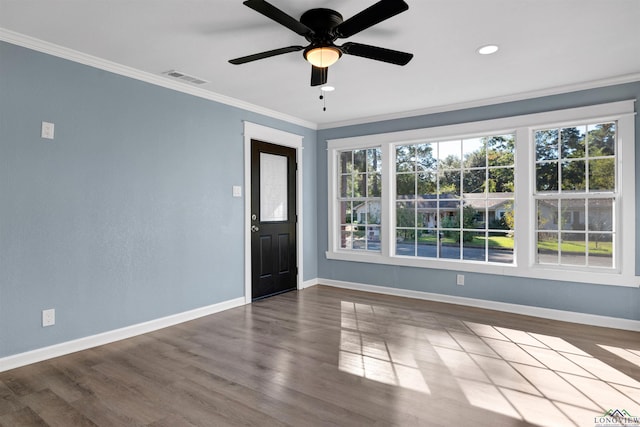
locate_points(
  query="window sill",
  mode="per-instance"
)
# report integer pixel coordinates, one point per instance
(534, 272)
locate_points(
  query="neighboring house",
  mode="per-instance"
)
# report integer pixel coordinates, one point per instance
(573, 214)
(496, 205)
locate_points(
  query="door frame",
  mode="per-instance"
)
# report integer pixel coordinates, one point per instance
(286, 139)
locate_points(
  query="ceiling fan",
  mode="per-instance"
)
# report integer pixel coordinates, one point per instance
(322, 27)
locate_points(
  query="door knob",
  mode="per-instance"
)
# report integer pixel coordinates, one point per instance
(255, 228)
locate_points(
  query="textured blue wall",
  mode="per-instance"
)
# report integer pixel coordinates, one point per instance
(126, 216)
(578, 297)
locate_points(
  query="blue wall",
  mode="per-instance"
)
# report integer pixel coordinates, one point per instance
(578, 297)
(126, 216)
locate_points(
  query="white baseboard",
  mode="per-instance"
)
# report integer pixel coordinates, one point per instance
(545, 313)
(309, 283)
(38, 355)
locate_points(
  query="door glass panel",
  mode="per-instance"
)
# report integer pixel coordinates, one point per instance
(273, 187)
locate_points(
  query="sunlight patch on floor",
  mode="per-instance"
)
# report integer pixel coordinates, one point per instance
(541, 379)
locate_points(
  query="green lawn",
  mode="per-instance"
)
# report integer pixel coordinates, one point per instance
(505, 242)
(498, 242)
(599, 248)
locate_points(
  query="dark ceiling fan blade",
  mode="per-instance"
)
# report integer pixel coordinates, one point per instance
(319, 75)
(272, 12)
(267, 54)
(372, 15)
(377, 53)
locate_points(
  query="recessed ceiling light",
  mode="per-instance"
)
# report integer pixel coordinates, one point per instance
(488, 49)
(327, 88)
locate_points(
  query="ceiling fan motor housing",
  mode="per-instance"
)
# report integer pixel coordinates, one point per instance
(322, 22)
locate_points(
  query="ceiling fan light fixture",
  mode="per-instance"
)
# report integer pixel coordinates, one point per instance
(323, 56)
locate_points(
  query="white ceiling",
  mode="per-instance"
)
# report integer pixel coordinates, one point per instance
(545, 45)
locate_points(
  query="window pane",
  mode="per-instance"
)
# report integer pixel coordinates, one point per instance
(602, 139)
(548, 248)
(373, 216)
(427, 216)
(547, 214)
(449, 154)
(572, 142)
(500, 247)
(406, 185)
(374, 160)
(600, 214)
(346, 162)
(501, 180)
(360, 185)
(501, 150)
(359, 241)
(573, 249)
(600, 250)
(473, 181)
(405, 158)
(546, 144)
(602, 176)
(346, 186)
(547, 177)
(572, 214)
(273, 187)
(346, 213)
(501, 214)
(450, 247)
(474, 213)
(473, 246)
(406, 242)
(360, 160)
(426, 157)
(573, 175)
(345, 237)
(405, 214)
(449, 217)
(374, 185)
(450, 182)
(427, 243)
(373, 238)
(427, 183)
(474, 153)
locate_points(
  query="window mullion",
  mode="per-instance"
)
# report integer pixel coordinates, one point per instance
(387, 214)
(524, 204)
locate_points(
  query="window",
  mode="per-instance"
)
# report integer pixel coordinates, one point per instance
(454, 199)
(360, 189)
(575, 171)
(548, 195)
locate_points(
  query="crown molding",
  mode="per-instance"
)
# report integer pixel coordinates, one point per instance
(628, 78)
(158, 80)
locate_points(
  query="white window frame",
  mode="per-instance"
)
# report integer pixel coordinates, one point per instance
(524, 251)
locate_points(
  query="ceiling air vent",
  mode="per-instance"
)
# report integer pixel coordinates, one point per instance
(184, 77)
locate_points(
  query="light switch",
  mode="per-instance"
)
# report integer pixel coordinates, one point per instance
(47, 130)
(237, 191)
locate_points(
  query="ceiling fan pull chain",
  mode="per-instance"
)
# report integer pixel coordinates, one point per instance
(323, 98)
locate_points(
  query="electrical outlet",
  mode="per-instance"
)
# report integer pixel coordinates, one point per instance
(47, 130)
(460, 279)
(48, 317)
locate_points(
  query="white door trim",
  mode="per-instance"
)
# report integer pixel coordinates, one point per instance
(278, 137)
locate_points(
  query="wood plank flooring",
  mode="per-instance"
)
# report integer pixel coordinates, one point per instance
(332, 357)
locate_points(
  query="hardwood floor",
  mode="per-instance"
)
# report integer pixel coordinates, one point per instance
(326, 356)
